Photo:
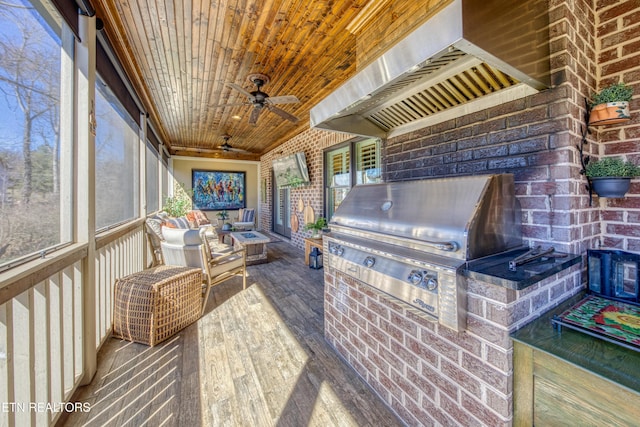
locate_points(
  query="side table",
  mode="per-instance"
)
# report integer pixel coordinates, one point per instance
(152, 305)
(221, 234)
(308, 244)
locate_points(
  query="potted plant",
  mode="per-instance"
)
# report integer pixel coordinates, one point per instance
(611, 105)
(223, 215)
(611, 176)
(180, 203)
(316, 227)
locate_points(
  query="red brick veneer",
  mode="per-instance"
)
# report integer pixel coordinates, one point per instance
(429, 374)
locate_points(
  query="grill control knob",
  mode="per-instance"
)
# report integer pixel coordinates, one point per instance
(432, 283)
(415, 277)
(369, 261)
(336, 249)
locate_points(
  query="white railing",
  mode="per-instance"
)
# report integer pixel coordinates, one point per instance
(42, 344)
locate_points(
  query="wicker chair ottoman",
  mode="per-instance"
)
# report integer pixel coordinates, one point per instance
(153, 305)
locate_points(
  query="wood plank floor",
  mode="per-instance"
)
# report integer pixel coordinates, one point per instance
(256, 358)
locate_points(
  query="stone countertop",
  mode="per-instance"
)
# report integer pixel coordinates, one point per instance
(495, 269)
(611, 361)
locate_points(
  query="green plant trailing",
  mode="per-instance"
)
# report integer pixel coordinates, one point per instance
(614, 93)
(611, 167)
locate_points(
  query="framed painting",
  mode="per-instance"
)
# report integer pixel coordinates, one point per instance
(218, 190)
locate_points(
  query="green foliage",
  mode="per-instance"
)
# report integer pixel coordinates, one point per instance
(320, 224)
(614, 93)
(25, 231)
(223, 215)
(611, 167)
(42, 169)
(180, 203)
(293, 180)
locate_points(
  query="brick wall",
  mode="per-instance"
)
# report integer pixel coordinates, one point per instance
(429, 374)
(618, 39)
(534, 138)
(312, 142)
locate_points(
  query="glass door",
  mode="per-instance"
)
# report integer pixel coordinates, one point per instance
(281, 210)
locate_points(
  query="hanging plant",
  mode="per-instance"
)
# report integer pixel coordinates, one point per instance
(611, 105)
(611, 176)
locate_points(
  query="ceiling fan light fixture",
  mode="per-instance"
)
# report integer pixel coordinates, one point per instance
(259, 99)
(258, 79)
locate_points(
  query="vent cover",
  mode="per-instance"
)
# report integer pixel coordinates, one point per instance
(457, 62)
(477, 79)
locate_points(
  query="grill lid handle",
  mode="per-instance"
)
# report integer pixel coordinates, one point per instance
(443, 246)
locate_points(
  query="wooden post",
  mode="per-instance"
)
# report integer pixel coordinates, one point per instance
(85, 183)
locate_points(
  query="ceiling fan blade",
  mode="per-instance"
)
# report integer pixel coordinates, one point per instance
(255, 113)
(238, 150)
(228, 148)
(285, 99)
(235, 104)
(283, 114)
(241, 90)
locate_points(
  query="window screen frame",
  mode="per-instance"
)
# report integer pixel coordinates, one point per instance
(351, 146)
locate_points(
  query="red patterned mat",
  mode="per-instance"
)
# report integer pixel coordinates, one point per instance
(611, 320)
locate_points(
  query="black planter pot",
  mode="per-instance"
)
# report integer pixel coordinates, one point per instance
(610, 187)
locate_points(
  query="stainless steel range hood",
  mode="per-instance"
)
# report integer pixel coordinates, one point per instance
(469, 56)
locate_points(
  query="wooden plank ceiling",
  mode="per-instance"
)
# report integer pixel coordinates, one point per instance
(181, 56)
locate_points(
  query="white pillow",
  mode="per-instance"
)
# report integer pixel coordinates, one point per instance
(181, 236)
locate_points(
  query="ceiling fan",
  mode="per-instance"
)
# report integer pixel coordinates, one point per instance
(261, 100)
(226, 147)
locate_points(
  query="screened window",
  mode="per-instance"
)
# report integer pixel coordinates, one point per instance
(367, 162)
(117, 161)
(152, 182)
(354, 163)
(36, 51)
(338, 177)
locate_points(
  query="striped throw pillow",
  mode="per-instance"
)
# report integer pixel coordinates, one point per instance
(248, 215)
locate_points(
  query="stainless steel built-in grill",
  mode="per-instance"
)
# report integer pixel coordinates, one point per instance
(410, 239)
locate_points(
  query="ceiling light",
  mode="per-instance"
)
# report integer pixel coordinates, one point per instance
(236, 117)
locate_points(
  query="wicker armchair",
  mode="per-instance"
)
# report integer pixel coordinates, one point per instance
(189, 248)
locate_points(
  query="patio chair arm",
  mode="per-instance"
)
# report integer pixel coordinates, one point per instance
(223, 258)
